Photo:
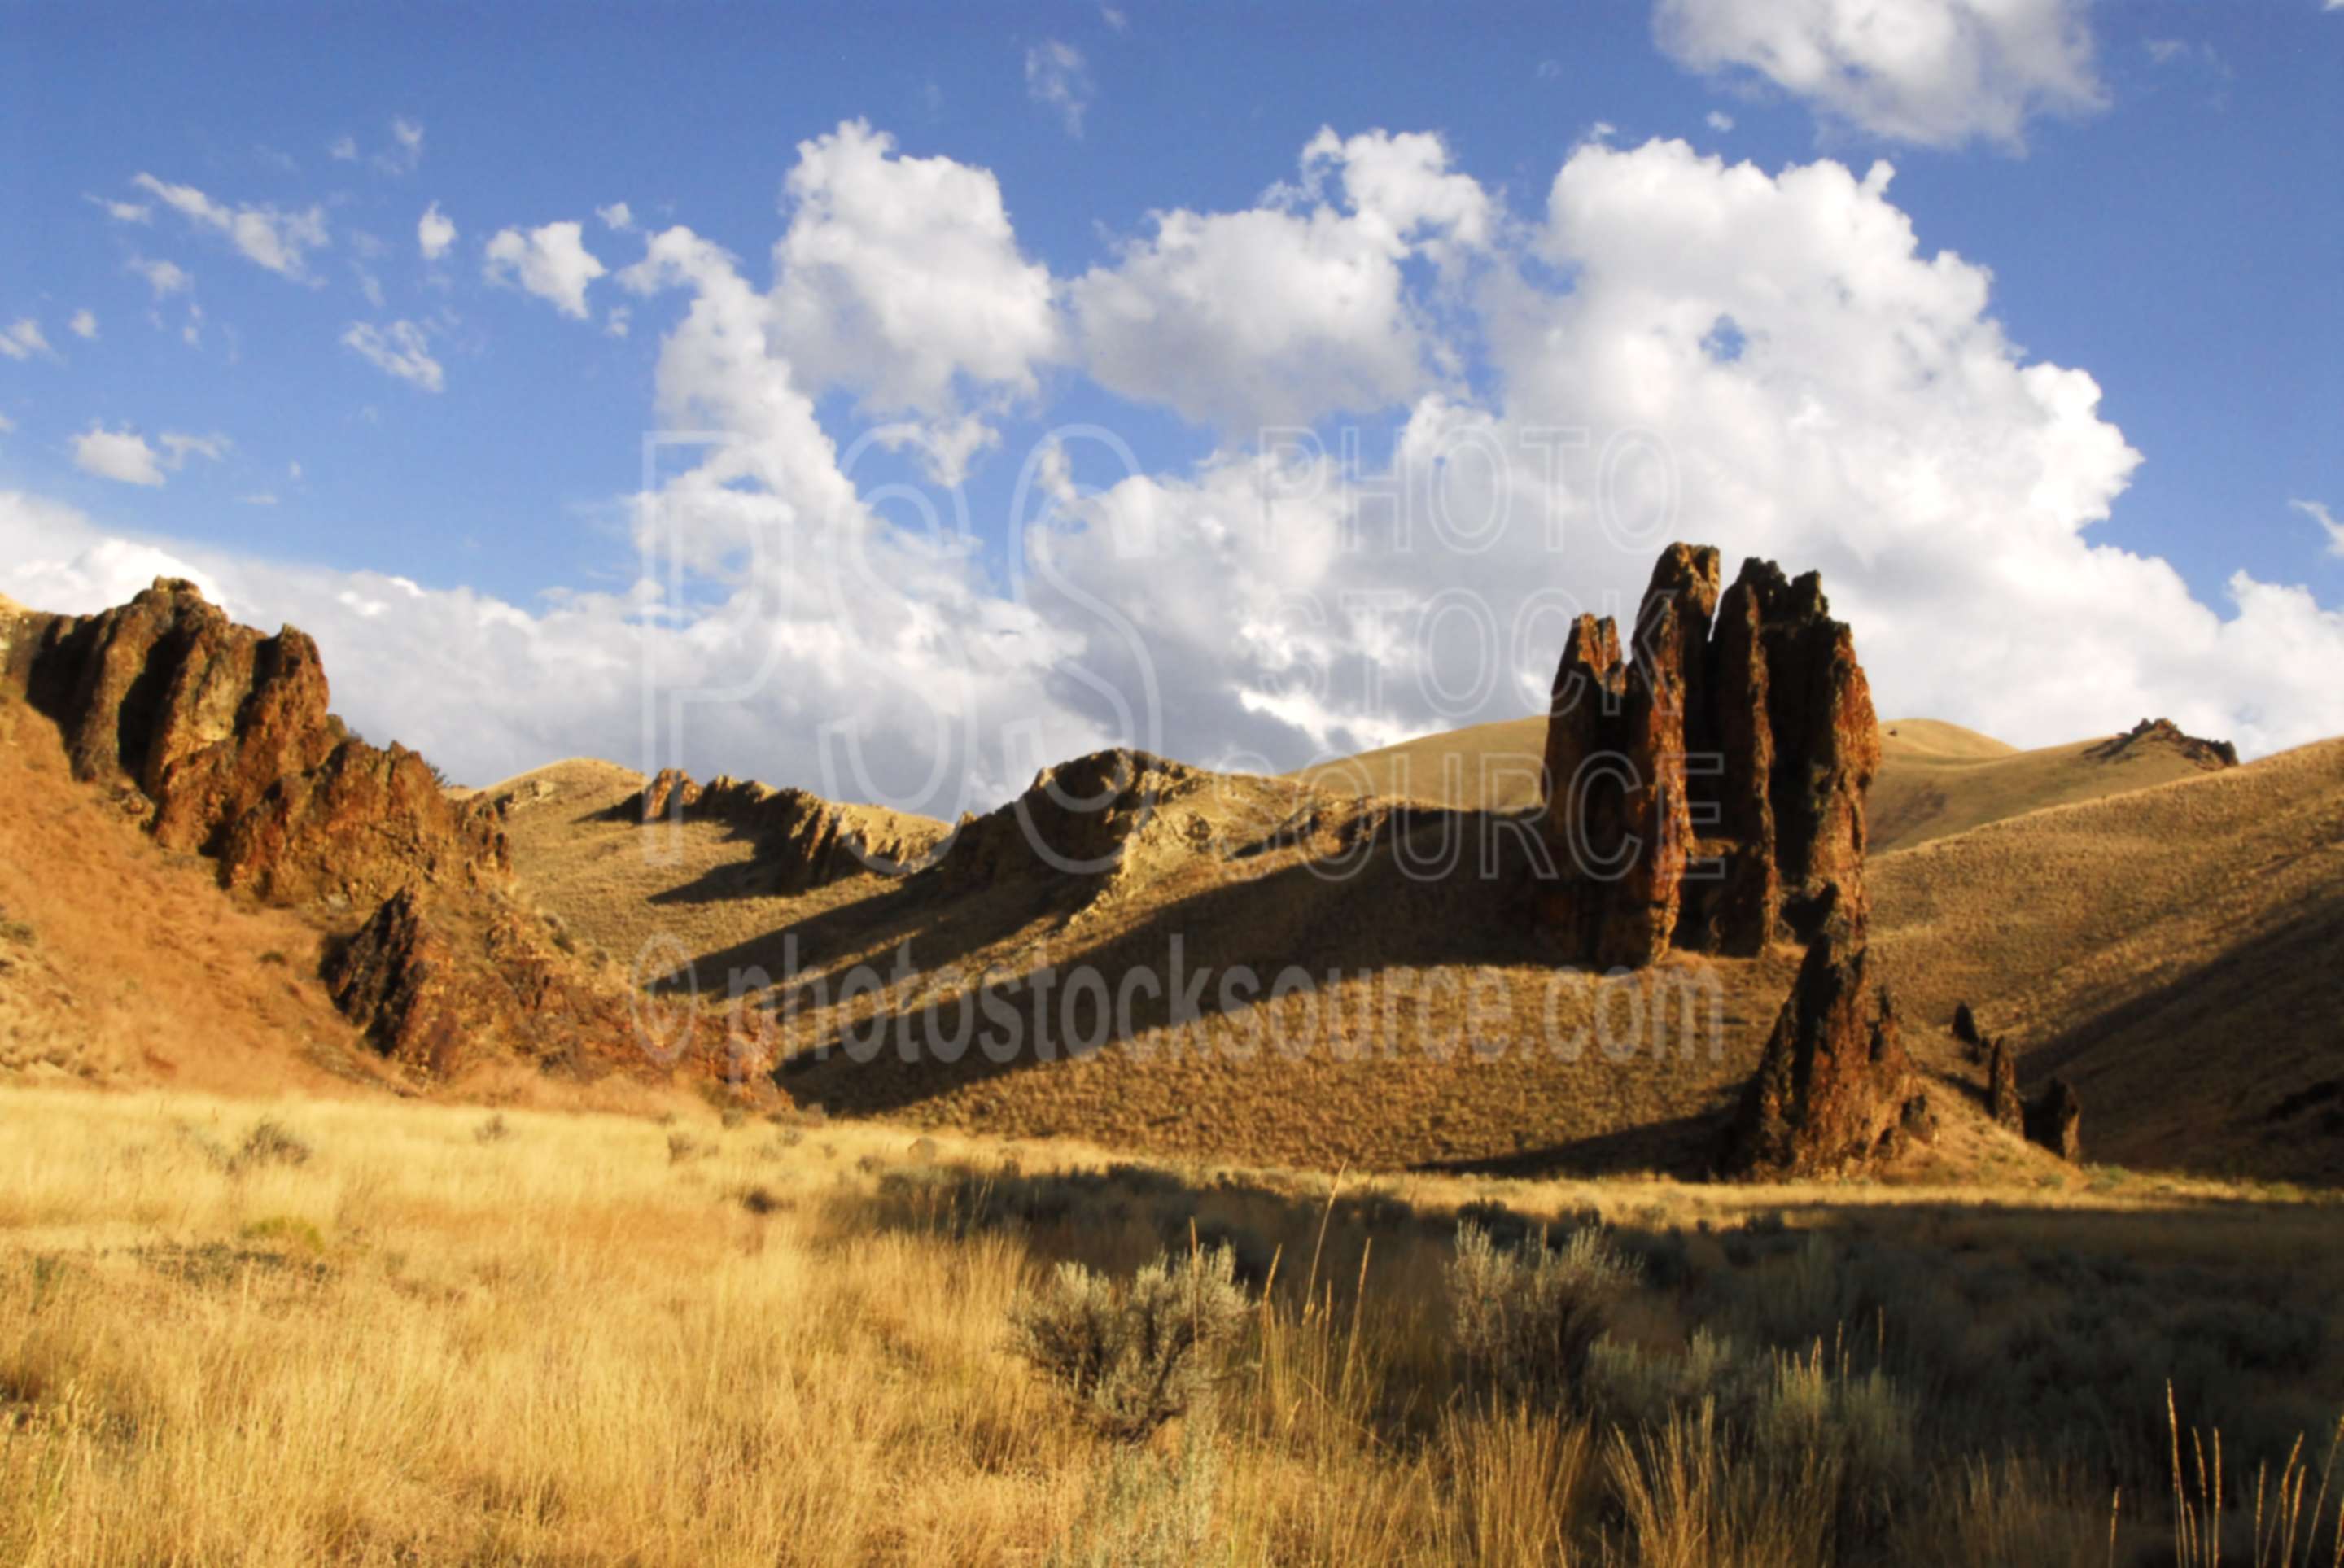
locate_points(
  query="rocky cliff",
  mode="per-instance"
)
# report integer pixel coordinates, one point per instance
(803, 840)
(220, 740)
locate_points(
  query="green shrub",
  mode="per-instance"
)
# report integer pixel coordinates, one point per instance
(1133, 1355)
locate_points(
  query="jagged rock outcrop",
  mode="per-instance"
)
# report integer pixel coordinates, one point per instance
(2002, 1099)
(1965, 1028)
(441, 983)
(1833, 1090)
(1079, 819)
(2057, 1121)
(220, 738)
(224, 736)
(1708, 793)
(803, 840)
(2152, 734)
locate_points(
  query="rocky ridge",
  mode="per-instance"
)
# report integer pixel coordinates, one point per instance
(220, 742)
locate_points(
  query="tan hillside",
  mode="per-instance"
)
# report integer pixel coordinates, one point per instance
(2173, 952)
(1935, 777)
(1938, 778)
(1430, 1048)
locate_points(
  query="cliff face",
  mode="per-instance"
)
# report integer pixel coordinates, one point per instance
(1705, 789)
(803, 840)
(219, 738)
(223, 737)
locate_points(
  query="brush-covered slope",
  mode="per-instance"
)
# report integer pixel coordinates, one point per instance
(1935, 777)
(1438, 1027)
(2173, 952)
(1938, 779)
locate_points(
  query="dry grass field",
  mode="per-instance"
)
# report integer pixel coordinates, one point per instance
(319, 1331)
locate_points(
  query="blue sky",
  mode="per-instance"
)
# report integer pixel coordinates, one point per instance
(2145, 193)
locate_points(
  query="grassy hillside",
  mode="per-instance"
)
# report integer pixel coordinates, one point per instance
(1438, 1029)
(1935, 778)
(2172, 950)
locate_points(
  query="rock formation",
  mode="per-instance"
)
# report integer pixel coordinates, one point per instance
(1834, 1089)
(2155, 733)
(2002, 1102)
(1965, 1028)
(803, 840)
(1079, 819)
(2057, 1121)
(1707, 794)
(439, 984)
(219, 738)
(225, 737)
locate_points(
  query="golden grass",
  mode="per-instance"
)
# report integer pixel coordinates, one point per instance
(569, 1343)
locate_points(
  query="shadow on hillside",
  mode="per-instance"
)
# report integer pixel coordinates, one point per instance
(2244, 1038)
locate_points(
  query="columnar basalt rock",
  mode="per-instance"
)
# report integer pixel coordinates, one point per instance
(1709, 794)
(2003, 1101)
(2057, 1121)
(1834, 1089)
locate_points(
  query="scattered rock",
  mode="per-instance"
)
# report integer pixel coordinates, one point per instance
(2002, 1102)
(2057, 1121)
(1708, 795)
(2163, 733)
(1965, 1028)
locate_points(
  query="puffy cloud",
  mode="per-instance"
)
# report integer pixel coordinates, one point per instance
(1719, 121)
(401, 349)
(551, 262)
(165, 278)
(618, 216)
(1937, 72)
(280, 241)
(124, 211)
(900, 279)
(23, 339)
(123, 455)
(180, 447)
(1768, 362)
(2316, 511)
(1057, 79)
(84, 324)
(434, 233)
(1284, 314)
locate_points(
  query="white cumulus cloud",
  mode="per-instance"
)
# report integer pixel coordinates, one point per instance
(401, 349)
(1939, 73)
(122, 455)
(1284, 314)
(22, 339)
(84, 324)
(434, 233)
(551, 262)
(280, 241)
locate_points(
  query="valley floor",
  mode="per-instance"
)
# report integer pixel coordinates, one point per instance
(313, 1331)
